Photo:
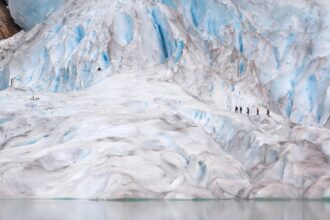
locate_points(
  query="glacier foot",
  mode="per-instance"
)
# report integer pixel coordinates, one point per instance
(149, 138)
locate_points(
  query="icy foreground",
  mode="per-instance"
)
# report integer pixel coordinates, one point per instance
(136, 100)
(148, 138)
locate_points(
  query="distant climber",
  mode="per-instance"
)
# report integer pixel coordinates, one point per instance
(257, 111)
(248, 111)
(236, 109)
(99, 69)
(35, 98)
(11, 83)
(268, 112)
(240, 109)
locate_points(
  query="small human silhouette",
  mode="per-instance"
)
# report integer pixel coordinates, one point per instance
(240, 109)
(268, 112)
(257, 111)
(35, 98)
(248, 111)
(236, 109)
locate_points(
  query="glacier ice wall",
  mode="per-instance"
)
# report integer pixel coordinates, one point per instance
(280, 48)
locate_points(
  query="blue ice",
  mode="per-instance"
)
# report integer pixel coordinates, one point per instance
(241, 68)
(4, 120)
(105, 58)
(27, 13)
(25, 143)
(179, 45)
(163, 32)
(169, 3)
(4, 80)
(312, 89)
(124, 28)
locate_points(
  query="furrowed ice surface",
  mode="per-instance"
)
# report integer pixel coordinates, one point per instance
(136, 100)
(148, 138)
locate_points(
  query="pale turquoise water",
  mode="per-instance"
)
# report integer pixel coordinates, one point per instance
(154, 210)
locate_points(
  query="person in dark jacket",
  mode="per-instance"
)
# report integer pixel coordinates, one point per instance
(236, 109)
(240, 109)
(248, 111)
(268, 112)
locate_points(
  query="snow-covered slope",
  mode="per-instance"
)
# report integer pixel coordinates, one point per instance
(136, 100)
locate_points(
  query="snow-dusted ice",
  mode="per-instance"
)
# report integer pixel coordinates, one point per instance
(135, 99)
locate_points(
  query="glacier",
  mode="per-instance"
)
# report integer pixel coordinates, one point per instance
(135, 99)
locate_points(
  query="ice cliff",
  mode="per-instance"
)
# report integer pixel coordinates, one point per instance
(136, 99)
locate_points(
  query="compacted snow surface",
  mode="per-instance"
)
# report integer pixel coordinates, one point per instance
(134, 99)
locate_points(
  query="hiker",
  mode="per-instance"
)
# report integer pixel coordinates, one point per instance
(248, 111)
(236, 109)
(240, 109)
(34, 98)
(268, 112)
(258, 111)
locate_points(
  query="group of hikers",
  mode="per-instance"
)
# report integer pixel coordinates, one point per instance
(240, 110)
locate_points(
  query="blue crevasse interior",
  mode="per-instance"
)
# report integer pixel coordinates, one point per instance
(179, 45)
(80, 33)
(4, 80)
(106, 59)
(241, 67)
(163, 32)
(312, 89)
